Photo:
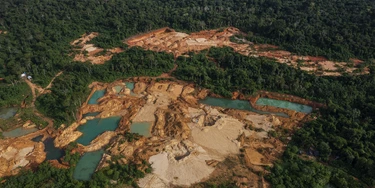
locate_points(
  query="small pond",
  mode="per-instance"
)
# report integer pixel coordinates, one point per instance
(52, 151)
(87, 165)
(130, 85)
(235, 104)
(284, 104)
(97, 94)
(19, 132)
(6, 113)
(142, 128)
(95, 127)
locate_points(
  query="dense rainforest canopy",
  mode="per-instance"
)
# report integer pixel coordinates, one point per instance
(37, 39)
(39, 31)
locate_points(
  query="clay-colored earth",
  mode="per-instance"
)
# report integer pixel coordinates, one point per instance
(21, 152)
(190, 142)
(178, 43)
(88, 52)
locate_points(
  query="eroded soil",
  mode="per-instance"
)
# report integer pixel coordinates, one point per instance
(178, 43)
(88, 52)
(21, 152)
(190, 142)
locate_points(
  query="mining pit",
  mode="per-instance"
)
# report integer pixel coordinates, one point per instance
(187, 142)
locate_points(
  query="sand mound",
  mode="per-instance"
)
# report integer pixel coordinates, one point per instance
(221, 137)
(180, 170)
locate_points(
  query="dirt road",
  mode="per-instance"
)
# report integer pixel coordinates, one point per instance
(40, 90)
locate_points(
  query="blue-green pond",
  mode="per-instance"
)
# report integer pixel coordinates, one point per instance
(142, 128)
(94, 98)
(93, 128)
(19, 132)
(130, 85)
(284, 104)
(87, 164)
(6, 113)
(235, 104)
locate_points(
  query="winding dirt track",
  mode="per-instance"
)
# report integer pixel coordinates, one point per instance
(40, 90)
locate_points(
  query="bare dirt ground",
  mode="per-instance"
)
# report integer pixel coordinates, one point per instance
(168, 40)
(88, 52)
(190, 142)
(21, 152)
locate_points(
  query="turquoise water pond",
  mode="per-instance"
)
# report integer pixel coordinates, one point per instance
(284, 104)
(87, 164)
(95, 127)
(97, 94)
(6, 113)
(235, 104)
(19, 132)
(129, 85)
(51, 150)
(142, 128)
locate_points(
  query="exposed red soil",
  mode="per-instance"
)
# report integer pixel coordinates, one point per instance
(178, 43)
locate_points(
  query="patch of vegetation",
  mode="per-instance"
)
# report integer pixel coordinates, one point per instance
(121, 174)
(70, 90)
(131, 136)
(14, 94)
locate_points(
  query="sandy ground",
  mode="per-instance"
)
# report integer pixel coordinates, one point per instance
(255, 158)
(19, 152)
(146, 114)
(262, 122)
(186, 171)
(220, 138)
(152, 181)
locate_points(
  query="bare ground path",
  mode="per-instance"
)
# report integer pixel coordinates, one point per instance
(40, 90)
